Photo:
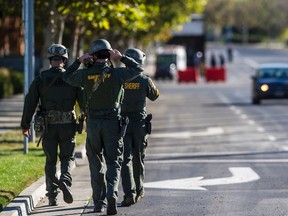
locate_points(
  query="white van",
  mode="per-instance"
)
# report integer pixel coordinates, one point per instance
(169, 60)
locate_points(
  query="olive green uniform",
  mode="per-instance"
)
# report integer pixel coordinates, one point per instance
(135, 140)
(57, 101)
(103, 137)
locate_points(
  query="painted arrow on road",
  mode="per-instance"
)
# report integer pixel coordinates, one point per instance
(239, 175)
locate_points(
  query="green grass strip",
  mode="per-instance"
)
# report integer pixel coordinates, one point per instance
(19, 170)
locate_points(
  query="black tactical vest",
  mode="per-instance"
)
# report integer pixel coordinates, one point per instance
(56, 94)
(108, 95)
(135, 95)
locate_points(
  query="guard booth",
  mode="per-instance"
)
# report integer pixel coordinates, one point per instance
(169, 60)
(192, 37)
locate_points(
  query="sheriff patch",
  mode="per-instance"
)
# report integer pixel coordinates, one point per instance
(133, 86)
(96, 77)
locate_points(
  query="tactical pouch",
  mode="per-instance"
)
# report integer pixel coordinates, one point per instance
(40, 123)
(124, 121)
(148, 123)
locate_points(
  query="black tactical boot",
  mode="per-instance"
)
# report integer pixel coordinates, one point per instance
(52, 197)
(99, 209)
(67, 195)
(112, 208)
(53, 201)
(128, 201)
(99, 206)
(139, 196)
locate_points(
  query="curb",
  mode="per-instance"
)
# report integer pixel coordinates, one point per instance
(28, 199)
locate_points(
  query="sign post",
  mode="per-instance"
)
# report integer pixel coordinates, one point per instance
(29, 60)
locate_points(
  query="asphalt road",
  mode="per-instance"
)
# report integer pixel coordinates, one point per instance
(212, 152)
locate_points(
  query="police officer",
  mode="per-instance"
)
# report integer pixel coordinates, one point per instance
(57, 100)
(135, 140)
(103, 115)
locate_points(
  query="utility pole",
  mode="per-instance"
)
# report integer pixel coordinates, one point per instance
(29, 60)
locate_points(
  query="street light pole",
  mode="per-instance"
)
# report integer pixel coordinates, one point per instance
(29, 60)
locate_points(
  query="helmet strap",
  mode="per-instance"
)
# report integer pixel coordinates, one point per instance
(111, 64)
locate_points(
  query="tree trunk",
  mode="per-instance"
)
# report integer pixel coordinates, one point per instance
(60, 29)
(47, 42)
(53, 32)
(77, 42)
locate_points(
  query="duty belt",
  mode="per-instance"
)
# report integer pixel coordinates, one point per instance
(111, 114)
(60, 117)
(107, 117)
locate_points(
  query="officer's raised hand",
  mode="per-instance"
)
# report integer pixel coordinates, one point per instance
(86, 58)
(115, 54)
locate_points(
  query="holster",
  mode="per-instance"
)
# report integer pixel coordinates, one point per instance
(148, 123)
(123, 122)
(40, 123)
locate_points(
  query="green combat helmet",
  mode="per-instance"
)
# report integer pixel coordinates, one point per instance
(57, 50)
(100, 44)
(136, 54)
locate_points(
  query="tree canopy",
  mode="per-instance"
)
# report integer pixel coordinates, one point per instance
(123, 22)
(265, 16)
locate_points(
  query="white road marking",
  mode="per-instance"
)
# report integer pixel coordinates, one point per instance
(272, 138)
(197, 155)
(238, 112)
(239, 175)
(285, 148)
(243, 116)
(216, 161)
(187, 134)
(260, 129)
(251, 63)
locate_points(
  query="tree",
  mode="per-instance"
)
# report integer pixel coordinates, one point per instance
(123, 22)
(264, 15)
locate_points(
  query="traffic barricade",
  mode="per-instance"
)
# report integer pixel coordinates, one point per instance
(215, 74)
(190, 74)
(222, 73)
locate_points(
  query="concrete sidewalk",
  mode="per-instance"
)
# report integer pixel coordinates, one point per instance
(10, 112)
(32, 200)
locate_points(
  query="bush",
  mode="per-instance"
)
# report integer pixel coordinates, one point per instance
(6, 87)
(17, 80)
(11, 82)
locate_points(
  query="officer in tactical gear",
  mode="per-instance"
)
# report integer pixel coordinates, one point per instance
(135, 140)
(55, 100)
(103, 85)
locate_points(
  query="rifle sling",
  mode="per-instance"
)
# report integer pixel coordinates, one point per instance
(95, 86)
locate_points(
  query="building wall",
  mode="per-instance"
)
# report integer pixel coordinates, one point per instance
(12, 41)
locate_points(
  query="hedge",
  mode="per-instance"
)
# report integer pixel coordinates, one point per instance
(11, 82)
(17, 80)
